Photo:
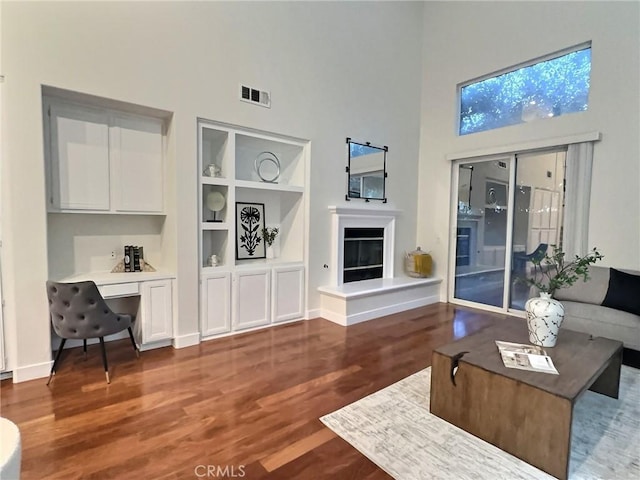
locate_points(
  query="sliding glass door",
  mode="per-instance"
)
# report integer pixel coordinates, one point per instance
(538, 211)
(508, 211)
(481, 231)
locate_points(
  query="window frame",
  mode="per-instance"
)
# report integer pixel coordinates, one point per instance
(513, 68)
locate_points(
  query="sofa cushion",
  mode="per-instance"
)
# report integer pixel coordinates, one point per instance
(601, 321)
(623, 292)
(592, 291)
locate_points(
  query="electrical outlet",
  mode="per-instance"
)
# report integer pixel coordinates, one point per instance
(113, 254)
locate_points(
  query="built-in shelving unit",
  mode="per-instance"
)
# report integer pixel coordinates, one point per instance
(237, 294)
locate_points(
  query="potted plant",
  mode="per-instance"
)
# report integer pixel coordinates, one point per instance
(269, 235)
(550, 273)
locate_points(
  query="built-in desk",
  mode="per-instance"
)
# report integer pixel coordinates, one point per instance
(147, 295)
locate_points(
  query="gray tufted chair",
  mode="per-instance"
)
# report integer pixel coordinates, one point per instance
(78, 311)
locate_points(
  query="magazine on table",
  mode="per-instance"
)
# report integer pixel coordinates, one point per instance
(526, 357)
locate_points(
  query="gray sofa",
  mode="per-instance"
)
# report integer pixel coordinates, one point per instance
(584, 312)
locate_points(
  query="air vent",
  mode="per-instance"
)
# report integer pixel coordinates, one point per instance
(255, 96)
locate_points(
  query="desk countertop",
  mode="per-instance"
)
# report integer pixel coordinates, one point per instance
(108, 278)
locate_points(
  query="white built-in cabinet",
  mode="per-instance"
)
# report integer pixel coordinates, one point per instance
(288, 293)
(156, 311)
(239, 294)
(79, 158)
(251, 305)
(136, 146)
(102, 161)
(215, 303)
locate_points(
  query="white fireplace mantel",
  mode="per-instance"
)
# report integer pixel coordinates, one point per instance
(353, 217)
(381, 212)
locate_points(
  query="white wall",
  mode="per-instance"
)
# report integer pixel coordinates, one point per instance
(334, 69)
(465, 40)
(80, 243)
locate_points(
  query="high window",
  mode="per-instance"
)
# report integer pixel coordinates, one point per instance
(545, 89)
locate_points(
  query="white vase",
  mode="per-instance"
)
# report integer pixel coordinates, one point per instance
(270, 252)
(544, 317)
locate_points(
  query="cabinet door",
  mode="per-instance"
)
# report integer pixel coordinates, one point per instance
(79, 170)
(136, 146)
(157, 311)
(288, 293)
(251, 298)
(215, 298)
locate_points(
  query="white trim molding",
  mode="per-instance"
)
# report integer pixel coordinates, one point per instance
(189, 340)
(526, 146)
(31, 372)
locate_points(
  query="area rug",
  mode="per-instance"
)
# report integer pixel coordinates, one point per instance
(394, 429)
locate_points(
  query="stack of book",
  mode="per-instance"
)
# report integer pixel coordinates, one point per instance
(133, 258)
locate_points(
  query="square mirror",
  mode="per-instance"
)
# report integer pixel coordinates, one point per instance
(366, 171)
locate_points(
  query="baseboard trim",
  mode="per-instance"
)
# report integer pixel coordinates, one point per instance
(315, 313)
(252, 329)
(184, 341)
(31, 372)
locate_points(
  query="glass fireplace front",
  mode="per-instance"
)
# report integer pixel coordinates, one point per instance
(363, 254)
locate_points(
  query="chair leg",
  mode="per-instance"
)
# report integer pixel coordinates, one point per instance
(133, 342)
(84, 347)
(104, 359)
(55, 362)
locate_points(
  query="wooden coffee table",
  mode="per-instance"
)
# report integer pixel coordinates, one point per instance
(527, 414)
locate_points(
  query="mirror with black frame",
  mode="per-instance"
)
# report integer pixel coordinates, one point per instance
(366, 171)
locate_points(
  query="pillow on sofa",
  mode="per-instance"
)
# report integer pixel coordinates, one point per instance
(623, 292)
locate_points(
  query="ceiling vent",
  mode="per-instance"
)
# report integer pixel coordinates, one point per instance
(255, 96)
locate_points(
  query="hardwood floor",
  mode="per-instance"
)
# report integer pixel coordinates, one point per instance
(245, 406)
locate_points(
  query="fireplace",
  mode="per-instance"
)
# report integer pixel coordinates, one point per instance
(363, 285)
(363, 243)
(363, 254)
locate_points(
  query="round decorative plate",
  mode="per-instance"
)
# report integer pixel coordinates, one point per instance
(215, 201)
(268, 167)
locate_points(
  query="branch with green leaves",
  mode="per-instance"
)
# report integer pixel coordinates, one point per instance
(554, 271)
(269, 235)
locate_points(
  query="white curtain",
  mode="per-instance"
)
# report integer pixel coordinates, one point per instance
(577, 198)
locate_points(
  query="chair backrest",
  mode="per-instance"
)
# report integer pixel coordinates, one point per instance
(79, 311)
(539, 253)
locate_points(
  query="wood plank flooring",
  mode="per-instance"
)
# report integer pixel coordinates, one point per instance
(245, 406)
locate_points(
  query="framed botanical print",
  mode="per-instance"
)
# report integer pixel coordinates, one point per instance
(249, 225)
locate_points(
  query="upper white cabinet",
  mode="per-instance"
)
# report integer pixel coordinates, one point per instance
(103, 161)
(137, 164)
(79, 166)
